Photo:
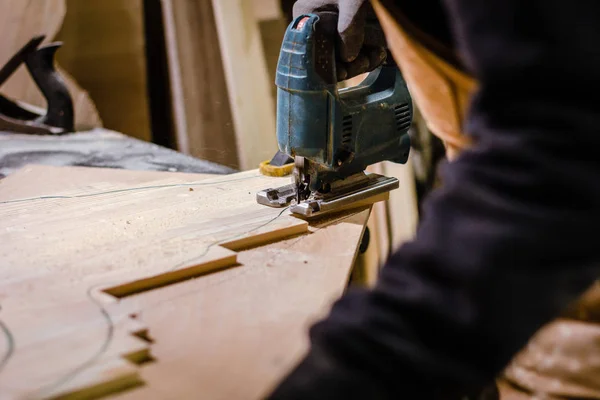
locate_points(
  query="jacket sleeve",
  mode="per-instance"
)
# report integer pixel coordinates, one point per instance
(507, 242)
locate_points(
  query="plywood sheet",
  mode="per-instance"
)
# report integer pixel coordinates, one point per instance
(236, 334)
(61, 256)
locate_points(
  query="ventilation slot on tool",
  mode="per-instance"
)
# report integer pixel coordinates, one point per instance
(347, 130)
(403, 117)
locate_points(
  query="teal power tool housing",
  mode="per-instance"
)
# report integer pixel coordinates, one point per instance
(334, 134)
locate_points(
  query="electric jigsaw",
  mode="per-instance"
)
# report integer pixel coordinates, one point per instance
(334, 134)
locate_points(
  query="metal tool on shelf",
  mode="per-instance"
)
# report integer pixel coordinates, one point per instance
(18, 117)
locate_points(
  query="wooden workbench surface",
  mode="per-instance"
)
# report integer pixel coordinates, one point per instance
(158, 285)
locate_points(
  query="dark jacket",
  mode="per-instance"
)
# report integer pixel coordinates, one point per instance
(507, 242)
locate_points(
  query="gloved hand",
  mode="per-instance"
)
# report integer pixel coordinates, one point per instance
(361, 41)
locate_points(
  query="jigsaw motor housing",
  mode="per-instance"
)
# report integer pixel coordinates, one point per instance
(340, 131)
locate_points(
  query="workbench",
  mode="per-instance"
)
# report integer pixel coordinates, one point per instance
(155, 284)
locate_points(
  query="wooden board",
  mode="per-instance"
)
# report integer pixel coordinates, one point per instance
(140, 239)
(200, 104)
(248, 83)
(242, 330)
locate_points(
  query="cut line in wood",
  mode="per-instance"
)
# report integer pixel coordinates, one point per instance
(118, 375)
(228, 259)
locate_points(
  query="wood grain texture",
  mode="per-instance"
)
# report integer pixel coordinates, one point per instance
(58, 256)
(236, 334)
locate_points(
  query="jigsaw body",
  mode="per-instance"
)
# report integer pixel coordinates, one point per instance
(334, 134)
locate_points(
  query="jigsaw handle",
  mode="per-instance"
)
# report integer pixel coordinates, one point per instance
(307, 59)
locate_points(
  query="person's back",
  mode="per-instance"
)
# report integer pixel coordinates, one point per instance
(546, 364)
(507, 242)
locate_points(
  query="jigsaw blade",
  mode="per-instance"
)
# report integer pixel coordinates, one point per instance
(354, 191)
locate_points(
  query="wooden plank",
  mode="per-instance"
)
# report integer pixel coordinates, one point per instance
(175, 78)
(247, 79)
(203, 120)
(58, 256)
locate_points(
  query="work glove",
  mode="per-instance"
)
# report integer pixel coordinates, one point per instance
(361, 45)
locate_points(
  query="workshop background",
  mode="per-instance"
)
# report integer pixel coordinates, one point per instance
(182, 86)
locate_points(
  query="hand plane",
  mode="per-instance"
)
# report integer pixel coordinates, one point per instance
(23, 118)
(334, 134)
